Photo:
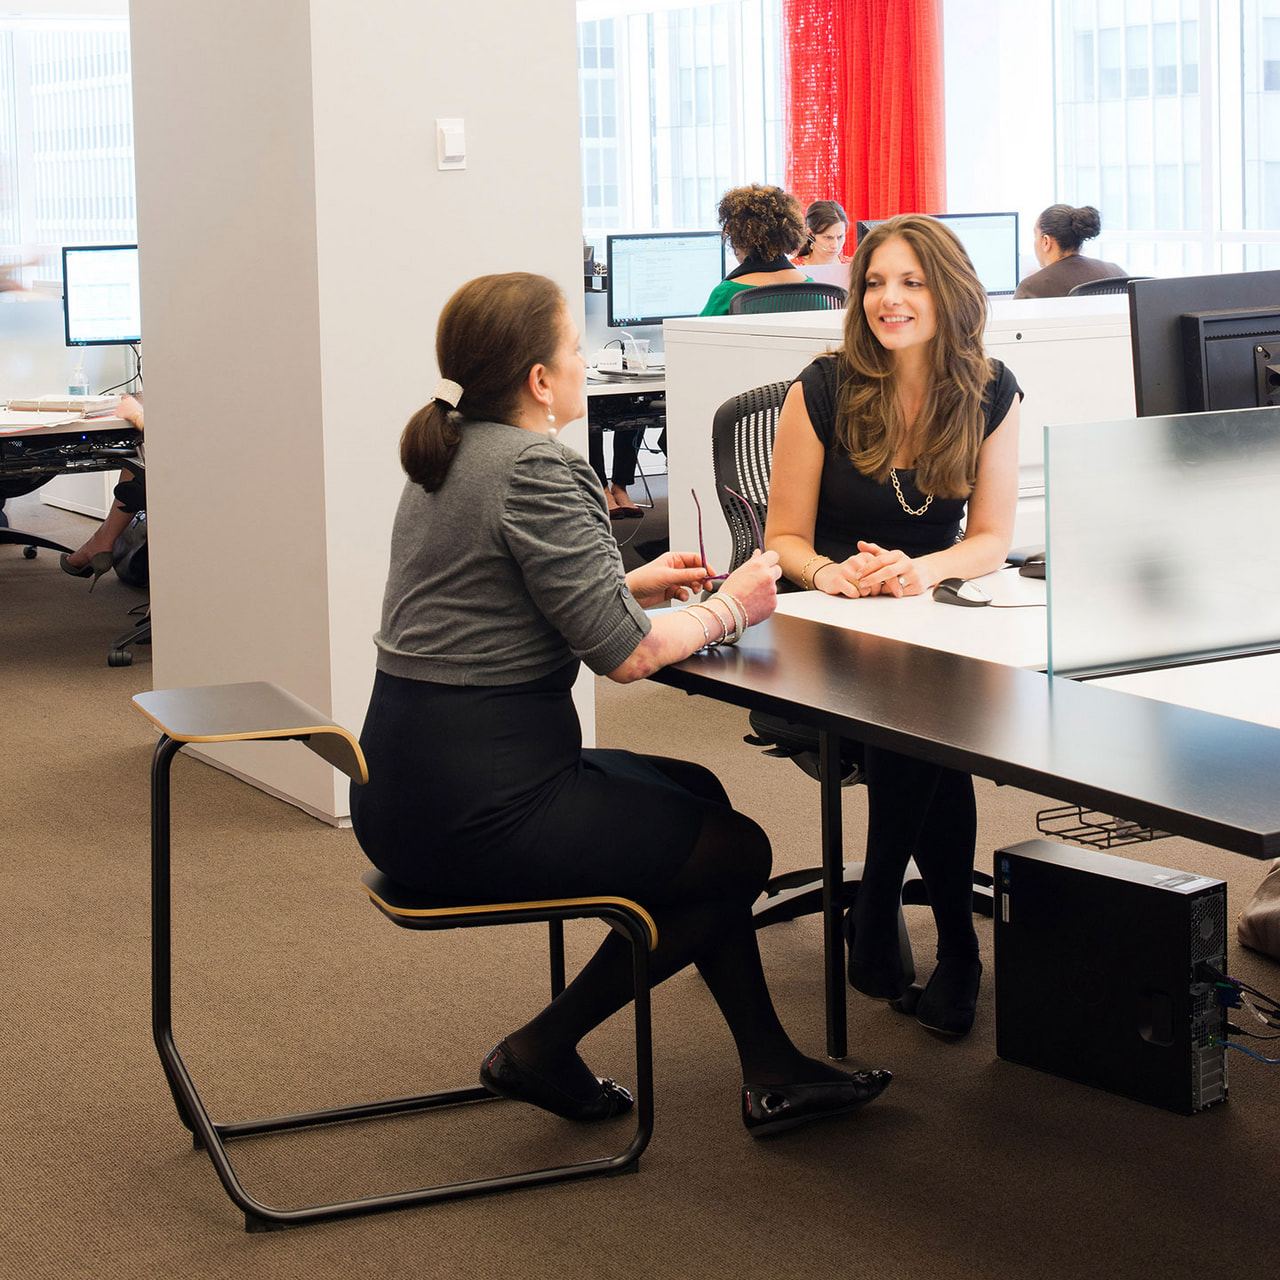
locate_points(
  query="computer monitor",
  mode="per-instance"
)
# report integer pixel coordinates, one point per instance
(1205, 342)
(100, 295)
(662, 275)
(990, 240)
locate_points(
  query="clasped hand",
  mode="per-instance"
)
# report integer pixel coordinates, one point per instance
(872, 572)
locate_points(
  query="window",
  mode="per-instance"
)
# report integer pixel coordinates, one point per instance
(1181, 189)
(66, 138)
(679, 103)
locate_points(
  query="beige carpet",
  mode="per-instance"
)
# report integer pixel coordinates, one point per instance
(292, 992)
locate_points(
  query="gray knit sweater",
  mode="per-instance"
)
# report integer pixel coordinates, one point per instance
(508, 570)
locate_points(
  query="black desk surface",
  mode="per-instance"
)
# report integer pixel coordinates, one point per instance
(1192, 773)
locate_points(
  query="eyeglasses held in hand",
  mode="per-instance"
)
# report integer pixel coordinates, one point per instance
(702, 546)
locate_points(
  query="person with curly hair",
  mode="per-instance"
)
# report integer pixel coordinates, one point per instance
(764, 227)
(1060, 231)
(882, 447)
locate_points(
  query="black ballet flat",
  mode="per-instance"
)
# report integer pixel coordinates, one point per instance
(769, 1109)
(950, 1000)
(503, 1073)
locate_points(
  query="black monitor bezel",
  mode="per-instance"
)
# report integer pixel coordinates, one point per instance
(863, 225)
(66, 310)
(632, 321)
(1156, 309)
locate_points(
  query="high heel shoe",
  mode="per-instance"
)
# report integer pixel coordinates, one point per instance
(768, 1109)
(950, 1000)
(503, 1073)
(98, 564)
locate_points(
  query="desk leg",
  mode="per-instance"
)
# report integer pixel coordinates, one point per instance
(832, 890)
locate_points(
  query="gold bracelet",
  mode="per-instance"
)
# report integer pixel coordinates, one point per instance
(806, 581)
(730, 625)
(724, 631)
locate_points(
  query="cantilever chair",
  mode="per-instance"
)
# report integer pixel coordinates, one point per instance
(258, 711)
(812, 295)
(1108, 284)
(742, 435)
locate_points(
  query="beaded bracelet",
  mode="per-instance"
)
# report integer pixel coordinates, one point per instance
(806, 581)
(732, 634)
(746, 621)
(724, 631)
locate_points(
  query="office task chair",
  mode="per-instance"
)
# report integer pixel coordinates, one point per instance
(812, 295)
(1108, 284)
(742, 434)
(18, 488)
(131, 564)
(258, 711)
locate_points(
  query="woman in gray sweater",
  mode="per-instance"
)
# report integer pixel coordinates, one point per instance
(504, 578)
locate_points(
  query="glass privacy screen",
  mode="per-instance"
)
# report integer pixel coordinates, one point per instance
(1163, 539)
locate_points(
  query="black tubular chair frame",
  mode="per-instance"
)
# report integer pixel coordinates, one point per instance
(812, 295)
(1106, 284)
(213, 1136)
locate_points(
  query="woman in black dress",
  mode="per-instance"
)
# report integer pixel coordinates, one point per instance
(504, 576)
(880, 448)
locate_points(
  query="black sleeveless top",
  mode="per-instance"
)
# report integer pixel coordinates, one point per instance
(853, 507)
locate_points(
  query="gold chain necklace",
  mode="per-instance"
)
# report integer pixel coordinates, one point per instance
(902, 502)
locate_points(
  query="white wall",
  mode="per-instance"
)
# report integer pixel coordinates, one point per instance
(289, 203)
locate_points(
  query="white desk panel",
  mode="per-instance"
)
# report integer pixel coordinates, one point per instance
(1242, 688)
(1013, 637)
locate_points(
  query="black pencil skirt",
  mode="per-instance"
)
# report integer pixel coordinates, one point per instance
(480, 793)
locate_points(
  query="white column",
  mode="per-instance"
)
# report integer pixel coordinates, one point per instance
(297, 244)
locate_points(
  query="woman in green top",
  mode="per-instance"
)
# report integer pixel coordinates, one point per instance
(764, 227)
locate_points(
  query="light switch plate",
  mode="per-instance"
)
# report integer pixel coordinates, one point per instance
(451, 144)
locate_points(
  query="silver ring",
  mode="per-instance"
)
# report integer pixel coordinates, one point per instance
(902, 582)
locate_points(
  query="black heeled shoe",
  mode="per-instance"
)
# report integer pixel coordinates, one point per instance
(507, 1075)
(950, 1000)
(98, 564)
(769, 1109)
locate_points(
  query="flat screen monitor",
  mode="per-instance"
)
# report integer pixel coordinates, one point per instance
(100, 295)
(1205, 342)
(990, 240)
(662, 275)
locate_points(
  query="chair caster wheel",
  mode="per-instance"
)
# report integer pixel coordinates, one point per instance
(28, 553)
(907, 1001)
(119, 658)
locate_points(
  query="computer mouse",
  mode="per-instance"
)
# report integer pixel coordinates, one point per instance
(958, 591)
(1032, 566)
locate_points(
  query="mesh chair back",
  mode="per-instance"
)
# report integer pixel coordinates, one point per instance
(1108, 284)
(742, 434)
(810, 296)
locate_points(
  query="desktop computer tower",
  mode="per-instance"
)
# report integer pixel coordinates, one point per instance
(1096, 973)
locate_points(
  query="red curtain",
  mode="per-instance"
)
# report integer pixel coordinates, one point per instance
(864, 104)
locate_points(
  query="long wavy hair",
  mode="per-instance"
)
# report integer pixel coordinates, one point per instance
(490, 334)
(869, 419)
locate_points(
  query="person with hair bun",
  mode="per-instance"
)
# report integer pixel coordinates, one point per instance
(504, 577)
(764, 228)
(883, 447)
(1060, 231)
(826, 226)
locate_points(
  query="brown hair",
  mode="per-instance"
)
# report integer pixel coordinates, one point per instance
(490, 334)
(1069, 227)
(869, 422)
(820, 215)
(761, 222)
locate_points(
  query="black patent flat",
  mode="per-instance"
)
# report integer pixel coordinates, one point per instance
(768, 1109)
(509, 1076)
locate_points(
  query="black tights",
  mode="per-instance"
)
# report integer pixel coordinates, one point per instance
(703, 916)
(927, 812)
